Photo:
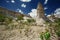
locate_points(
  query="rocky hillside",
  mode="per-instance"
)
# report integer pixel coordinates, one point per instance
(20, 29)
(28, 29)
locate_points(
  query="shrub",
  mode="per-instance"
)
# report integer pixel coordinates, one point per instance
(2, 18)
(30, 20)
(8, 20)
(58, 33)
(41, 36)
(19, 18)
(47, 35)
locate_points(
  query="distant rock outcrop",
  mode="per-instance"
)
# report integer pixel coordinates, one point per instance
(11, 13)
(41, 18)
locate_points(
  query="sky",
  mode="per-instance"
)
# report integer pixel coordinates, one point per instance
(27, 6)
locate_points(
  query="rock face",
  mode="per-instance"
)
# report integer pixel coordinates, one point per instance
(40, 11)
(11, 13)
(40, 19)
(52, 17)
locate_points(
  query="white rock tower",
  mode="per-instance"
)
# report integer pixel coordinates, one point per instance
(40, 14)
(40, 11)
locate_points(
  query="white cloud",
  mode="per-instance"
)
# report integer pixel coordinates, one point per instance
(13, 1)
(45, 1)
(45, 8)
(48, 15)
(25, 0)
(45, 14)
(19, 10)
(33, 13)
(57, 13)
(23, 5)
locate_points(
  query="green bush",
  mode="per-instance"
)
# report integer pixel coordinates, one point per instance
(47, 35)
(42, 36)
(30, 20)
(8, 20)
(58, 33)
(19, 18)
(2, 18)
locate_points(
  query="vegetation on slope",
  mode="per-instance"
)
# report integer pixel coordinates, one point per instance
(2, 18)
(57, 26)
(45, 35)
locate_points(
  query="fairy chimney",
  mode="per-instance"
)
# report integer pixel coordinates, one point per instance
(40, 11)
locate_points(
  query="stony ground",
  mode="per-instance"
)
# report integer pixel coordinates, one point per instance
(27, 33)
(19, 31)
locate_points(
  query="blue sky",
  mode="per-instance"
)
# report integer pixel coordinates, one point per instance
(25, 6)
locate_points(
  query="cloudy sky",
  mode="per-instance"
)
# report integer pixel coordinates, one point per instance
(27, 6)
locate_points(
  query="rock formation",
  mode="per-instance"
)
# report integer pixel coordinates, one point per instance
(11, 13)
(40, 14)
(40, 11)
